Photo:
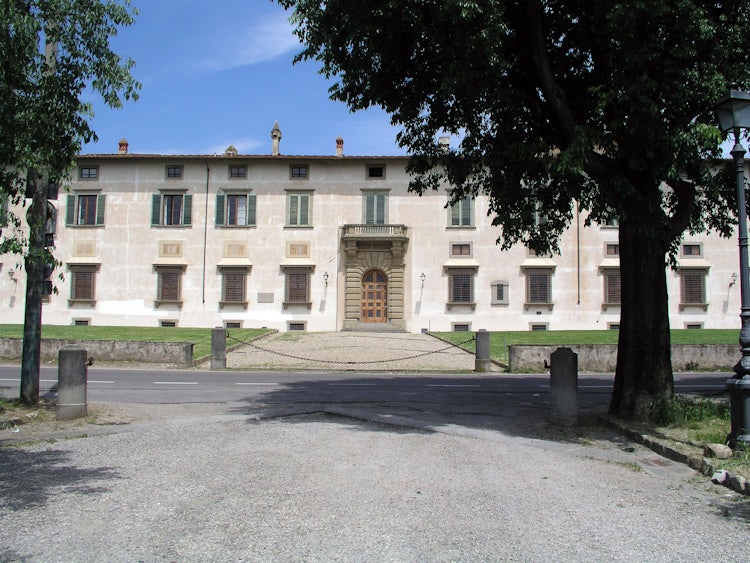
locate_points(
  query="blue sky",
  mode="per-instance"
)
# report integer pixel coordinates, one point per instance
(220, 73)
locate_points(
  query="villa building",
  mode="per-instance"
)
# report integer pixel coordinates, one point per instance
(328, 243)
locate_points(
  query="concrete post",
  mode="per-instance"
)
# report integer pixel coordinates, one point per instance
(71, 384)
(482, 362)
(218, 348)
(564, 386)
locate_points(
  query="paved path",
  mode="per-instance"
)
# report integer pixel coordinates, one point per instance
(350, 351)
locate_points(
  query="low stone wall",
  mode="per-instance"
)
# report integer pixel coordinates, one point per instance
(603, 357)
(179, 353)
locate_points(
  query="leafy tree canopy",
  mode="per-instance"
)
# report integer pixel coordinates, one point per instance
(604, 103)
(50, 52)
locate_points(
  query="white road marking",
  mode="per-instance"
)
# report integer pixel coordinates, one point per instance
(255, 383)
(175, 383)
(450, 385)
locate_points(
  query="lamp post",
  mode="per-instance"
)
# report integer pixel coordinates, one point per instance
(733, 111)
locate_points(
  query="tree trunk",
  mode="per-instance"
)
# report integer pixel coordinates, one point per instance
(643, 375)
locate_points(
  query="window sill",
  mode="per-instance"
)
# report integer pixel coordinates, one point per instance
(83, 302)
(547, 306)
(75, 226)
(606, 306)
(235, 226)
(306, 304)
(298, 226)
(171, 226)
(470, 305)
(239, 304)
(500, 303)
(701, 306)
(464, 227)
(159, 303)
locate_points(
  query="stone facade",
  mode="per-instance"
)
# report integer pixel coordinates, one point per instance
(327, 243)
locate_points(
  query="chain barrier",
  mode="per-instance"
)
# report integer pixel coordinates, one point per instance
(347, 362)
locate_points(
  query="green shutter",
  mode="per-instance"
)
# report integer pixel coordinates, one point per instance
(466, 212)
(369, 209)
(380, 209)
(187, 209)
(251, 209)
(70, 210)
(220, 209)
(304, 204)
(100, 209)
(156, 209)
(293, 208)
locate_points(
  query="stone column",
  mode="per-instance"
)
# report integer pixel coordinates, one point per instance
(482, 363)
(218, 348)
(71, 384)
(564, 386)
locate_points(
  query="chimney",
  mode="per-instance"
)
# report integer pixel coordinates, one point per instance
(444, 143)
(122, 147)
(339, 146)
(276, 139)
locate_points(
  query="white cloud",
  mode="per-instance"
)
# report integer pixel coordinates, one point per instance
(264, 39)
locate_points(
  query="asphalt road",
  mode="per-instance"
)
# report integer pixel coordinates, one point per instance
(107, 384)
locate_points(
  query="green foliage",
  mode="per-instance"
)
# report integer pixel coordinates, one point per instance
(690, 412)
(50, 52)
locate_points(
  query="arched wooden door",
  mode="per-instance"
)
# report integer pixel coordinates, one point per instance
(374, 297)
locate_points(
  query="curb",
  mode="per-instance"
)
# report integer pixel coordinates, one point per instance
(701, 464)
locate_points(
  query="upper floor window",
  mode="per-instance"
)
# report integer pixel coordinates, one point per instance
(462, 213)
(298, 210)
(375, 208)
(84, 209)
(174, 172)
(171, 209)
(235, 210)
(298, 171)
(237, 172)
(376, 171)
(612, 249)
(88, 172)
(461, 249)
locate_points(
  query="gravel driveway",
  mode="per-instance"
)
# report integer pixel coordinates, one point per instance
(230, 487)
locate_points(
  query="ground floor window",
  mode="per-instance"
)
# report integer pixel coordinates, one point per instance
(234, 286)
(693, 287)
(169, 285)
(83, 283)
(297, 286)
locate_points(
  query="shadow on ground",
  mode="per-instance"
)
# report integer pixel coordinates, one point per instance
(515, 406)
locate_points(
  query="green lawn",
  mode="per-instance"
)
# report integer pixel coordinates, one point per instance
(499, 341)
(200, 337)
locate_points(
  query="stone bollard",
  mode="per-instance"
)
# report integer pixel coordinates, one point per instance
(218, 348)
(564, 386)
(482, 362)
(71, 384)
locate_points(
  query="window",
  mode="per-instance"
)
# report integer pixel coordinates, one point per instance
(298, 172)
(610, 224)
(612, 249)
(81, 322)
(693, 286)
(376, 171)
(691, 250)
(298, 210)
(499, 292)
(237, 172)
(234, 286)
(88, 172)
(233, 324)
(538, 286)
(461, 327)
(612, 286)
(171, 209)
(297, 286)
(174, 172)
(694, 326)
(235, 210)
(462, 213)
(168, 324)
(169, 285)
(539, 327)
(82, 283)
(296, 326)
(85, 209)
(461, 286)
(461, 249)
(375, 208)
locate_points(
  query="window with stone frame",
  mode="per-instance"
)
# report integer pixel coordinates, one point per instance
(234, 285)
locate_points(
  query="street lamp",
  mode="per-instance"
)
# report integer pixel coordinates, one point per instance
(733, 112)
